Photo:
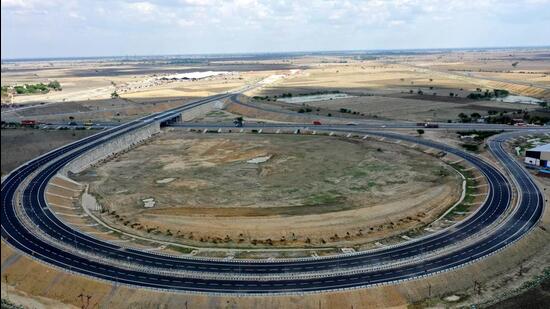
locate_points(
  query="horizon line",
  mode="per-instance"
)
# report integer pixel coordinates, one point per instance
(205, 54)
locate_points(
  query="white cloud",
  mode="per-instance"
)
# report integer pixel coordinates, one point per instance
(397, 22)
(229, 25)
(16, 4)
(200, 2)
(185, 23)
(76, 15)
(145, 8)
(32, 4)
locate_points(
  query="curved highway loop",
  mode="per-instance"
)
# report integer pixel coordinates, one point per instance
(527, 214)
(44, 218)
(488, 215)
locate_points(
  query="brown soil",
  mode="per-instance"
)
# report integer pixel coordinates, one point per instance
(313, 190)
(22, 145)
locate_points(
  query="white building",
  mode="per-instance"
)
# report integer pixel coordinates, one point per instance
(538, 156)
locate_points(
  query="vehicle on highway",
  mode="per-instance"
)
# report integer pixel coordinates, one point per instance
(28, 123)
(431, 125)
(427, 125)
(238, 122)
(317, 122)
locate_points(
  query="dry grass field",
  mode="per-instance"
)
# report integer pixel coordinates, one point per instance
(312, 191)
(90, 80)
(20, 146)
(87, 85)
(418, 88)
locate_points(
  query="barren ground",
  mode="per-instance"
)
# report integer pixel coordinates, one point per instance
(22, 145)
(327, 190)
(85, 80)
(390, 88)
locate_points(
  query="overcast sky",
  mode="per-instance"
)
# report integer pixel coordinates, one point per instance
(65, 28)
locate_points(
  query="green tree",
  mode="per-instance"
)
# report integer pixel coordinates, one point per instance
(55, 85)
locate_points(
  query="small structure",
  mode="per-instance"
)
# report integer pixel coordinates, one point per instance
(538, 156)
(259, 160)
(149, 202)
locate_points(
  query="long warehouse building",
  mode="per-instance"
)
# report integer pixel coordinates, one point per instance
(538, 156)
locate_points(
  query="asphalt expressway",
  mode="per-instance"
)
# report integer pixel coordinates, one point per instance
(93, 257)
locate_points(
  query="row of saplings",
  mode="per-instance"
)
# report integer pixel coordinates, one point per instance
(292, 238)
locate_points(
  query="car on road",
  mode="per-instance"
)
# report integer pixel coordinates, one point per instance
(238, 122)
(317, 123)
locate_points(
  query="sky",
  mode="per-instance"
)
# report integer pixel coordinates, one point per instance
(73, 28)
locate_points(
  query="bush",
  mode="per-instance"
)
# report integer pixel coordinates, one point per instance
(20, 90)
(36, 88)
(487, 95)
(470, 147)
(55, 85)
